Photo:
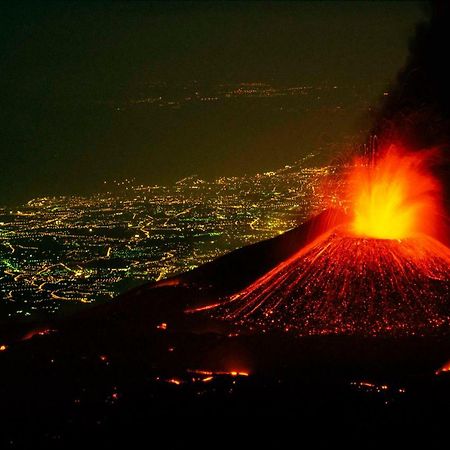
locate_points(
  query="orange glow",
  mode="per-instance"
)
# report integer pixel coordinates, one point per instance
(444, 368)
(201, 372)
(3, 348)
(37, 332)
(241, 374)
(233, 373)
(395, 198)
(162, 326)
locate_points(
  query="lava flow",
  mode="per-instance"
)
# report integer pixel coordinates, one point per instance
(383, 273)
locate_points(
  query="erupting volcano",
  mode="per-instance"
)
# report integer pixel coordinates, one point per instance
(384, 272)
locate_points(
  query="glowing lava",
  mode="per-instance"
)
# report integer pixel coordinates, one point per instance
(343, 284)
(382, 274)
(396, 197)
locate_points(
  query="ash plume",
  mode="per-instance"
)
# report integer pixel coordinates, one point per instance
(417, 109)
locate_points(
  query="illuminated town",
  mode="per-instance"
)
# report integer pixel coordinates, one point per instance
(56, 250)
(291, 97)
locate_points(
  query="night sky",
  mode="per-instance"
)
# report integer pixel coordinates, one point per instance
(69, 71)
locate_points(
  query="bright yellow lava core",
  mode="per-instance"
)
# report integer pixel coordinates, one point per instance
(394, 198)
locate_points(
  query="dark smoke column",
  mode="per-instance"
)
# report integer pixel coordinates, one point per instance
(417, 111)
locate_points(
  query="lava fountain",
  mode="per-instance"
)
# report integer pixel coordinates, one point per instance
(395, 198)
(383, 273)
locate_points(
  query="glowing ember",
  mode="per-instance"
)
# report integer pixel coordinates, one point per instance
(38, 332)
(233, 373)
(207, 379)
(444, 368)
(395, 198)
(174, 381)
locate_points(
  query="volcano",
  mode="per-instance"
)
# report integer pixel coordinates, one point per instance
(343, 284)
(382, 273)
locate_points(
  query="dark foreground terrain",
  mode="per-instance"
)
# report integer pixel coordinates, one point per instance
(141, 367)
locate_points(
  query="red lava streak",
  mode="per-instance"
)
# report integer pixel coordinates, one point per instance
(345, 284)
(351, 281)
